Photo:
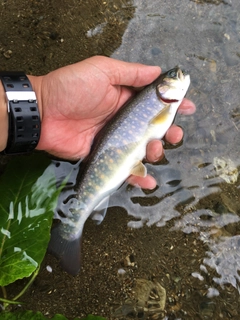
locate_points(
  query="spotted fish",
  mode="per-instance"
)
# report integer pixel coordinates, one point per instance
(116, 155)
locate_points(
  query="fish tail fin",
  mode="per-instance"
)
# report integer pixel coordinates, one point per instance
(67, 251)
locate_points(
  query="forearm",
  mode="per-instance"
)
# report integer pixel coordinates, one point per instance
(3, 119)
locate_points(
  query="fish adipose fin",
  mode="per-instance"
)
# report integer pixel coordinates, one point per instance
(139, 170)
(68, 252)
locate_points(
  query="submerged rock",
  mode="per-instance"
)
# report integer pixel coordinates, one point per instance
(226, 169)
(147, 301)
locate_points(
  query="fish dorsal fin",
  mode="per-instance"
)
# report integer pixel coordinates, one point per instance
(139, 170)
(162, 116)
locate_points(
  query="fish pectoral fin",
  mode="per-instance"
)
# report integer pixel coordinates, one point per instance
(100, 210)
(139, 170)
(162, 116)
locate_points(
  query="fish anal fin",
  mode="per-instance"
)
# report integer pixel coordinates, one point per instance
(139, 170)
(100, 210)
(98, 216)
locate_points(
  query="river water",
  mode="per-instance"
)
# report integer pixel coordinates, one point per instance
(199, 181)
(199, 185)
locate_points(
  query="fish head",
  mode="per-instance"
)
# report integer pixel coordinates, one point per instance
(174, 85)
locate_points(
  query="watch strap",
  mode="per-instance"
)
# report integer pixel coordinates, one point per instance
(24, 125)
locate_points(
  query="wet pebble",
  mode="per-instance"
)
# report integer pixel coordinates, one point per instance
(226, 169)
(146, 300)
(206, 309)
(129, 261)
(7, 54)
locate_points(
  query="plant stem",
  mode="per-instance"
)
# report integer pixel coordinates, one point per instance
(35, 273)
(7, 302)
(4, 291)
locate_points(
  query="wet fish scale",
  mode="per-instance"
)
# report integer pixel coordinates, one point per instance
(117, 153)
(117, 145)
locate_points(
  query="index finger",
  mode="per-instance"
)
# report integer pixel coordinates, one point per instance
(187, 107)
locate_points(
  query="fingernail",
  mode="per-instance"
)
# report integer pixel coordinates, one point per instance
(158, 156)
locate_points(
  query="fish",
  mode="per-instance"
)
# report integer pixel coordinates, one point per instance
(117, 154)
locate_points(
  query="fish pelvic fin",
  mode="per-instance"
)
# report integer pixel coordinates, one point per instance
(67, 251)
(139, 170)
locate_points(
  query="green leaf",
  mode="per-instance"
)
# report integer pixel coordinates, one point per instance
(30, 315)
(28, 197)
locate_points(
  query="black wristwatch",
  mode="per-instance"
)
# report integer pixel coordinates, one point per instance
(24, 124)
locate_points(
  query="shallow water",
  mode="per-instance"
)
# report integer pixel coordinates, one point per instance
(199, 186)
(196, 205)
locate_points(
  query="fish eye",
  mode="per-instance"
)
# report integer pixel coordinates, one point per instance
(172, 74)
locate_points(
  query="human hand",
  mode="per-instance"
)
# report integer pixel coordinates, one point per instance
(76, 101)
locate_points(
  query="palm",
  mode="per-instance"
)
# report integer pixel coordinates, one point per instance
(82, 99)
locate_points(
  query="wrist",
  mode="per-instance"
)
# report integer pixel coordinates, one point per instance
(36, 82)
(3, 119)
(23, 117)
